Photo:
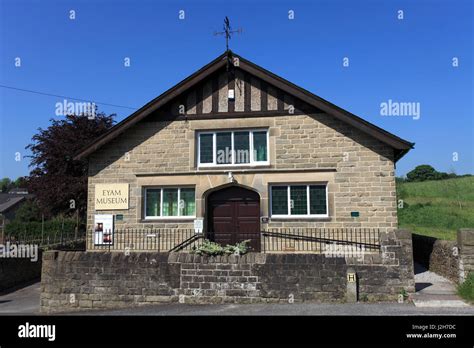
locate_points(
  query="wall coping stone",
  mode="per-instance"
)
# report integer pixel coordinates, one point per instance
(465, 237)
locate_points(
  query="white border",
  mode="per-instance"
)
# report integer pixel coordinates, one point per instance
(252, 162)
(299, 216)
(174, 217)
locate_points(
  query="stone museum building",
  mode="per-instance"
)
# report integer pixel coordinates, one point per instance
(234, 150)
(235, 153)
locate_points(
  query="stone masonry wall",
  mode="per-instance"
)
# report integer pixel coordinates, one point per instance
(439, 256)
(90, 280)
(465, 242)
(451, 259)
(363, 181)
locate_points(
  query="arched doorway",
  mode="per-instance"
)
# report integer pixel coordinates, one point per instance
(233, 215)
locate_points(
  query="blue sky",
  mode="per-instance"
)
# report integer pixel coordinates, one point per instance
(407, 60)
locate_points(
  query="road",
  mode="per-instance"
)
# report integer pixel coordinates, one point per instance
(22, 301)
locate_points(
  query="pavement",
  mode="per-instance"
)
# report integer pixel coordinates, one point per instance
(24, 301)
(433, 290)
(435, 296)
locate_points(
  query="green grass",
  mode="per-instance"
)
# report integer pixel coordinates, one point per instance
(466, 289)
(437, 208)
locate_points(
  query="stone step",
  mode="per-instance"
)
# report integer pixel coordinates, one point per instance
(448, 296)
(439, 303)
(435, 292)
(438, 300)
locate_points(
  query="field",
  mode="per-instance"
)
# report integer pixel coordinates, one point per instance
(437, 208)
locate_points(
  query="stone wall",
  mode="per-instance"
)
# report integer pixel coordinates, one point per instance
(90, 280)
(18, 271)
(451, 259)
(361, 170)
(465, 243)
(439, 256)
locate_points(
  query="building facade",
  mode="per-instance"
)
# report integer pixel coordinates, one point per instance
(234, 150)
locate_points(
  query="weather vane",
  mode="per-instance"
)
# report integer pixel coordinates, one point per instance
(228, 32)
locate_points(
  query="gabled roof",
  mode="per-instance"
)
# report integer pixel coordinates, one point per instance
(8, 201)
(400, 145)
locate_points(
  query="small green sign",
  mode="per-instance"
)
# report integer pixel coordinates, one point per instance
(119, 217)
(354, 214)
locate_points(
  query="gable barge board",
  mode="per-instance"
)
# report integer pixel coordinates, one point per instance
(153, 105)
(324, 105)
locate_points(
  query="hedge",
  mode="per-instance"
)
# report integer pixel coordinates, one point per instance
(34, 229)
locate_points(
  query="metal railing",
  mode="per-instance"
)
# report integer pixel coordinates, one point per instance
(140, 239)
(320, 240)
(161, 239)
(313, 240)
(47, 240)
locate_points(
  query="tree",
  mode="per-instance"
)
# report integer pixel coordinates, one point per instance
(56, 178)
(5, 184)
(28, 212)
(425, 172)
(20, 182)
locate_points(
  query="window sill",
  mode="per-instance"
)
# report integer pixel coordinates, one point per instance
(170, 219)
(300, 218)
(234, 166)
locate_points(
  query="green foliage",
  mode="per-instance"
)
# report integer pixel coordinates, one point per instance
(28, 212)
(33, 229)
(404, 293)
(213, 249)
(466, 289)
(6, 184)
(400, 179)
(208, 248)
(237, 249)
(401, 191)
(437, 208)
(426, 172)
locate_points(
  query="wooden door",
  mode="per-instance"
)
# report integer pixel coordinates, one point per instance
(234, 216)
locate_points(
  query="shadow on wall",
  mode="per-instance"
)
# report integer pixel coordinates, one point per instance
(16, 273)
(436, 255)
(422, 249)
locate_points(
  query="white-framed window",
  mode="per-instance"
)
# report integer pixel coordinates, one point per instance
(169, 202)
(299, 200)
(233, 148)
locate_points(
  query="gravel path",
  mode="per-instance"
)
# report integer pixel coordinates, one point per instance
(422, 275)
